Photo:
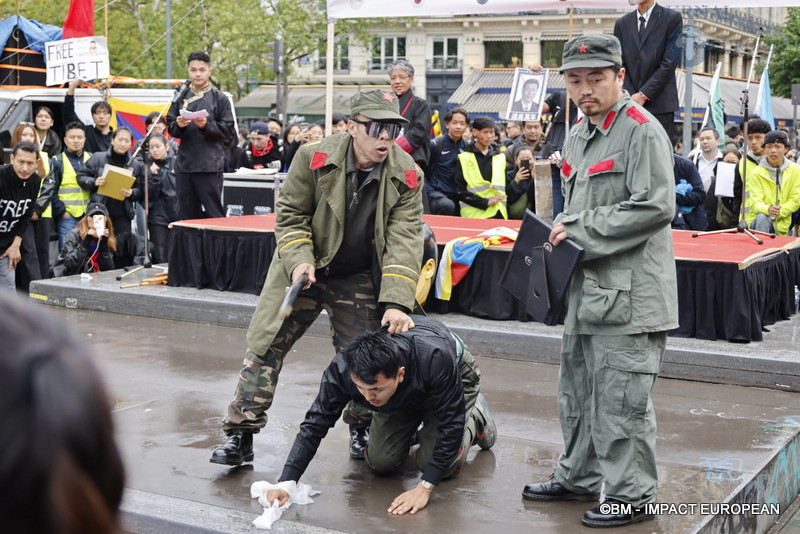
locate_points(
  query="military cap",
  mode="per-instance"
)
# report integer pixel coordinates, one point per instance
(591, 51)
(376, 104)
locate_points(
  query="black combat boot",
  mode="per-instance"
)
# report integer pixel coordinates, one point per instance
(359, 437)
(238, 449)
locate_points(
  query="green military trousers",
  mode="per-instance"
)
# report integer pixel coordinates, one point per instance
(351, 305)
(391, 435)
(606, 414)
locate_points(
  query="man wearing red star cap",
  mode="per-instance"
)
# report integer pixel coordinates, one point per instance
(349, 223)
(619, 193)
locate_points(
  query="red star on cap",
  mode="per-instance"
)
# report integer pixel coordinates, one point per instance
(582, 49)
(389, 97)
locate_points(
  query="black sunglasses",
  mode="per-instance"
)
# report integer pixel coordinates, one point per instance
(375, 128)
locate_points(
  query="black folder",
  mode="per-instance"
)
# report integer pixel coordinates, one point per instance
(537, 273)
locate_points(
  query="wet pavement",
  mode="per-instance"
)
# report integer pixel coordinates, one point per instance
(171, 382)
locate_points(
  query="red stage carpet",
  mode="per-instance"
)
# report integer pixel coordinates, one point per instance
(729, 286)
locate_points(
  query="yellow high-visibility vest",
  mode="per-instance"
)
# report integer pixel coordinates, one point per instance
(74, 197)
(477, 185)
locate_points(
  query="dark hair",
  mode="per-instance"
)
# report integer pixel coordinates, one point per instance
(337, 117)
(48, 110)
(709, 129)
(479, 123)
(736, 152)
(199, 56)
(530, 81)
(370, 354)
(758, 126)
(101, 104)
(74, 125)
(452, 111)
(275, 120)
(154, 116)
(25, 146)
(121, 129)
(60, 470)
(287, 129)
(539, 120)
(161, 137)
(732, 132)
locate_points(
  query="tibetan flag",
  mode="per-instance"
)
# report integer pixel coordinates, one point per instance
(459, 255)
(764, 100)
(132, 115)
(436, 127)
(80, 19)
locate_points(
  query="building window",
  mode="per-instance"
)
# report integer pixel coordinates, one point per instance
(504, 53)
(445, 53)
(386, 50)
(341, 56)
(552, 53)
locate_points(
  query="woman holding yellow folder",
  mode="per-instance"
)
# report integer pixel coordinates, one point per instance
(93, 175)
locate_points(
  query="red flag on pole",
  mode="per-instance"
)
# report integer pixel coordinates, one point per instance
(80, 19)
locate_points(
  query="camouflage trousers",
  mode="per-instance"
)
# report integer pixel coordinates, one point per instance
(351, 305)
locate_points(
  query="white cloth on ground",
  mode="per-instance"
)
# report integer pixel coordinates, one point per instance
(299, 493)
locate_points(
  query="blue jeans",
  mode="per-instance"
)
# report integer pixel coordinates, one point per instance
(63, 226)
(6, 275)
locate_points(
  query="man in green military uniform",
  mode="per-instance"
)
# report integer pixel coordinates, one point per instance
(619, 190)
(348, 218)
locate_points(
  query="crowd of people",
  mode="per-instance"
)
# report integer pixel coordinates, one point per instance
(399, 378)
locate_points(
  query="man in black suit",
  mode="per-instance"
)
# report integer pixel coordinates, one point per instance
(527, 102)
(650, 50)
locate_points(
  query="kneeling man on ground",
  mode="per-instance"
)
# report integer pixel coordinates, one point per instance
(425, 375)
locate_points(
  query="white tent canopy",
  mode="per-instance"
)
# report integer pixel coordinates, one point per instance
(351, 9)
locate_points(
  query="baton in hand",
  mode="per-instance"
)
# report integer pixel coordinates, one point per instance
(291, 295)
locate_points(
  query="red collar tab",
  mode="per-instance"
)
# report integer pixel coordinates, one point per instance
(566, 169)
(412, 180)
(609, 119)
(601, 166)
(634, 113)
(318, 160)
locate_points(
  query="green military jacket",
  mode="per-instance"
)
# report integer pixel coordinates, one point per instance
(619, 199)
(310, 226)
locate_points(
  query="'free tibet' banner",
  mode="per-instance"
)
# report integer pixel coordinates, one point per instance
(84, 57)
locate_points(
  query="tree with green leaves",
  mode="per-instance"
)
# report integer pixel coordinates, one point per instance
(784, 69)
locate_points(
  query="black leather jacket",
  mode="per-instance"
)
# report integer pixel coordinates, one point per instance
(201, 149)
(73, 257)
(94, 168)
(431, 379)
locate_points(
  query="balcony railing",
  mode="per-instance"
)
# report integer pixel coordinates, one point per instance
(443, 64)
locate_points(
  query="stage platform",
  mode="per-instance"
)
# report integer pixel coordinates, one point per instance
(729, 287)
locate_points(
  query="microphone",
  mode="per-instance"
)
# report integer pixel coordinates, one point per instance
(180, 90)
